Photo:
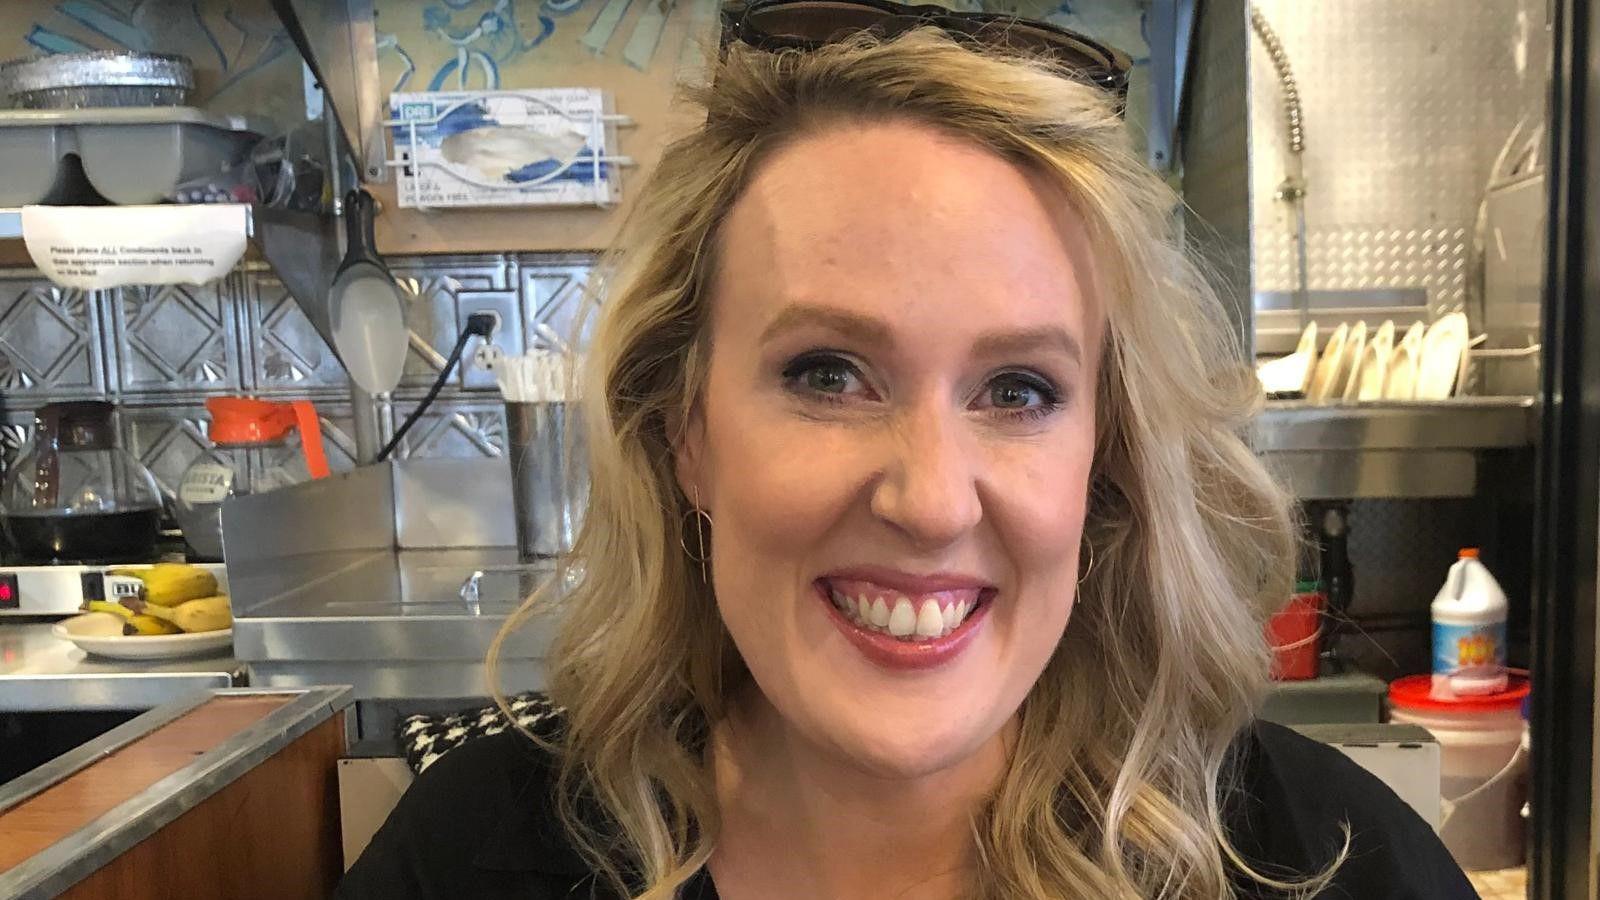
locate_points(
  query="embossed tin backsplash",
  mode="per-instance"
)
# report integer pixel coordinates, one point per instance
(159, 352)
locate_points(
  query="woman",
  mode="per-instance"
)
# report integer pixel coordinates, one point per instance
(923, 558)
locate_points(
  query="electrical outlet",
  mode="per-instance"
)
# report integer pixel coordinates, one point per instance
(507, 334)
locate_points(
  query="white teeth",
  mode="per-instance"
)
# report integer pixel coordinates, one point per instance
(880, 613)
(903, 621)
(930, 622)
(901, 616)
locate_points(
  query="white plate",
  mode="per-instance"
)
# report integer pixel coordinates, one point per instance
(1442, 349)
(1370, 375)
(101, 634)
(1286, 376)
(1308, 340)
(1400, 382)
(1383, 340)
(1354, 346)
(1373, 370)
(1327, 372)
(1290, 376)
(1413, 337)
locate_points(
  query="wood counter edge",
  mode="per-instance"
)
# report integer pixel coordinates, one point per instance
(265, 724)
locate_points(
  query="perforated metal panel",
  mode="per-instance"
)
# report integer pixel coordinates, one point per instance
(1406, 105)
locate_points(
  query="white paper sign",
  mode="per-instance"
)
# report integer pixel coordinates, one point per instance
(106, 246)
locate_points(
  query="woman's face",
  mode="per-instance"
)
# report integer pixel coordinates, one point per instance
(895, 437)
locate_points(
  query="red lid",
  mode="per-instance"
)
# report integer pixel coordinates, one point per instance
(1416, 692)
(241, 420)
(1469, 553)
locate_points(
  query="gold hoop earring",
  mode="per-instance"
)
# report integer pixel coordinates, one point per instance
(702, 519)
(1089, 568)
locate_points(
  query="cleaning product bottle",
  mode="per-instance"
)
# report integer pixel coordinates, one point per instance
(1469, 631)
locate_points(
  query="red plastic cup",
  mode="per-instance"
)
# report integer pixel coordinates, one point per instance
(1295, 635)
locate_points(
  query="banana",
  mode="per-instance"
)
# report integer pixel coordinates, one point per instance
(204, 614)
(147, 624)
(106, 606)
(169, 584)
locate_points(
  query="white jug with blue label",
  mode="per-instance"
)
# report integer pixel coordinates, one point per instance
(1469, 631)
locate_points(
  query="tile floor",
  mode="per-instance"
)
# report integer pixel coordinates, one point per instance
(1505, 884)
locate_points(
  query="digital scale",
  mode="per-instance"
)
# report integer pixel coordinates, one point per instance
(60, 590)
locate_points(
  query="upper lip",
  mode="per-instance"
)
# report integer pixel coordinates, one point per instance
(908, 582)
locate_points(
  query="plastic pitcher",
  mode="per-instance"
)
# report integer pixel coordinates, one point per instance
(258, 445)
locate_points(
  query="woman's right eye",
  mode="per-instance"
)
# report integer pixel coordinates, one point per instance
(825, 374)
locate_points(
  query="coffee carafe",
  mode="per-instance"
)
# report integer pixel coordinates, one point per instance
(74, 495)
(257, 445)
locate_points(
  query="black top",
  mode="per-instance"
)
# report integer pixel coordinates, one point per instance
(480, 823)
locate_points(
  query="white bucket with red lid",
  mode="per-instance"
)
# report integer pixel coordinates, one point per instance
(1482, 767)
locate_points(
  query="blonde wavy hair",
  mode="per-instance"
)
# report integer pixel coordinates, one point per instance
(1120, 771)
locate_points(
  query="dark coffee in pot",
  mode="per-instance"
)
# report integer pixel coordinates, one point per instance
(83, 538)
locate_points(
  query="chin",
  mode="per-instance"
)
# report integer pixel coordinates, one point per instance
(913, 741)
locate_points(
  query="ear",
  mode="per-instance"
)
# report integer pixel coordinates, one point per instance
(689, 458)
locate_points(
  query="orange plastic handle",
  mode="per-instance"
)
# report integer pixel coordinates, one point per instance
(305, 416)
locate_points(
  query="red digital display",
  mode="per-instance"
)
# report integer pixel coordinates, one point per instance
(8, 592)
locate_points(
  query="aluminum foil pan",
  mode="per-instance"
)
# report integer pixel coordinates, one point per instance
(106, 78)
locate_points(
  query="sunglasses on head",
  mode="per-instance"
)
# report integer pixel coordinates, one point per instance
(810, 24)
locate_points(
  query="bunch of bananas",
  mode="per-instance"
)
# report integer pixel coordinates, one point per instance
(173, 598)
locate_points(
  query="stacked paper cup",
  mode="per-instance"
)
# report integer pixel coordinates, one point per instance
(549, 476)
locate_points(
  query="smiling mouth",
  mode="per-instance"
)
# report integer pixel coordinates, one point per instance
(911, 618)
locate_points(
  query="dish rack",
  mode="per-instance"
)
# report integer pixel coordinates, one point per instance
(428, 180)
(1503, 372)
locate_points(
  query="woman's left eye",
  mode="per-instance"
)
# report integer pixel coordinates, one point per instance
(1017, 393)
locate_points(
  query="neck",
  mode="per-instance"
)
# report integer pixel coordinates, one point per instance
(799, 820)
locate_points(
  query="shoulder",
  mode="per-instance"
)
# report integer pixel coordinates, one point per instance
(479, 781)
(1291, 802)
(480, 819)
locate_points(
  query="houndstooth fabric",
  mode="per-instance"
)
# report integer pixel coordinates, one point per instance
(426, 737)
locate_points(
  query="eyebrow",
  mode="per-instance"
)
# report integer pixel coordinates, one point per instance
(1027, 340)
(872, 331)
(830, 317)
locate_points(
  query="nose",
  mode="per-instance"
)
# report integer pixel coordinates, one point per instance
(928, 488)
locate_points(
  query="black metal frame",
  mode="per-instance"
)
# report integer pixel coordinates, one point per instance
(1563, 721)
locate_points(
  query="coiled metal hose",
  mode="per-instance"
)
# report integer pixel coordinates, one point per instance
(1293, 189)
(1291, 92)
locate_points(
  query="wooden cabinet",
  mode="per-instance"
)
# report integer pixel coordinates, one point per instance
(234, 796)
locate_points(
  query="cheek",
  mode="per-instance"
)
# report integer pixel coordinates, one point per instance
(781, 482)
(1037, 514)
(781, 487)
(1037, 495)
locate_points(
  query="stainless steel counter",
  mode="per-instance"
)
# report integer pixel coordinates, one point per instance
(1462, 423)
(393, 578)
(1415, 450)
(393, 624)
(40, 672)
